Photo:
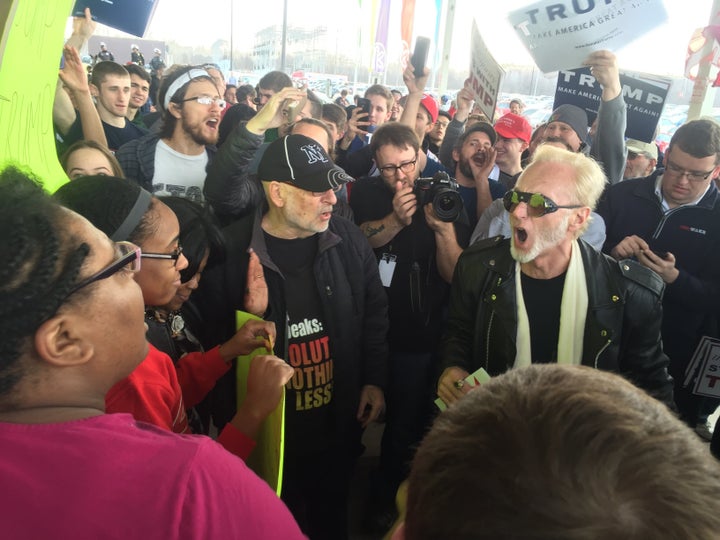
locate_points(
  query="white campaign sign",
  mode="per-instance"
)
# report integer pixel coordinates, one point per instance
(485, 74)
(560, 34)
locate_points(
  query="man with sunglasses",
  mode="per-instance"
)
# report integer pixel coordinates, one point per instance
(323, 292)
(175, 160)
(642, 158)
(543, 296)
(670, 223)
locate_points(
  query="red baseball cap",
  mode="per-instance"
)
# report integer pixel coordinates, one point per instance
(431, 106)
(514, 126)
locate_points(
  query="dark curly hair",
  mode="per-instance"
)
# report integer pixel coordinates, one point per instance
(106, 201)
(40, 265)
(199, 233)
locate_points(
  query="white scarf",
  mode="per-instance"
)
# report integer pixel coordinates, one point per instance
(573, 311)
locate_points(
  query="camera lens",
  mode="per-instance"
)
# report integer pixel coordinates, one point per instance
(447, 204)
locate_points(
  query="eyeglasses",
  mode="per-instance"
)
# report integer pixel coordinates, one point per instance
(207, 100)
(335, 189)
(129, 261)
(174, 255)
(391, 170)
(693, 176)
(537, 203)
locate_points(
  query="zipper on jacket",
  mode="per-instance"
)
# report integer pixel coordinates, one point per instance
(609, 341)
(487, 342)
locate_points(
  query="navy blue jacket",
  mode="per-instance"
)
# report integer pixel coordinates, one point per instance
(692, 235)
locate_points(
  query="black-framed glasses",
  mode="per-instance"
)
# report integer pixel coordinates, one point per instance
(129, 261)
(537, 203)
(391, 170)
(207, 100)
(693, 176)
(174, 255)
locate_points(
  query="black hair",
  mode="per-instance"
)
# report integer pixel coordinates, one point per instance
(700, 138)
(134, 69)
(106, 201)
(275, 81)
(40, 266)
(199, 233)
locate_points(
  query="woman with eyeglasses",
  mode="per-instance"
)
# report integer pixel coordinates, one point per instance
(71, 327)
(158, 391)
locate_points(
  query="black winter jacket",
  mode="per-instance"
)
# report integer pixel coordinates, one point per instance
(622, 328)
(353, 300)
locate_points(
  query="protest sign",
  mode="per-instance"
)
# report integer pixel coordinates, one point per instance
(485, 74)
(560, 34)
(131, 16)
(30, 51)
(644, 94)
(708, 379)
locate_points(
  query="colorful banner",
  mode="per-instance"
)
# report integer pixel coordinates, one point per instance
(266, 459)
(381, 38)
(32, 41)
(644, 94)
(407, 18)
(485, 74)
(561, 34)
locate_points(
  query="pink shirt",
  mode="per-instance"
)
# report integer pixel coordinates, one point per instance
(112, 477)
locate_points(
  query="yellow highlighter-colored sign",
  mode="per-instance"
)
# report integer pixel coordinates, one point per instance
(267, 457)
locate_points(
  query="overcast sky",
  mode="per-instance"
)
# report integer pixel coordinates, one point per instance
(661, 51)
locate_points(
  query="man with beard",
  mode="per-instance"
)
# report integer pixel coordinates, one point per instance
(543, 296)
(174, 161)
(416, 253)
(474, 156)
(569, 123)
(322, 290)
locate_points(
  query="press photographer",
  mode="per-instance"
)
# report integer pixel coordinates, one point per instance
(411, 224)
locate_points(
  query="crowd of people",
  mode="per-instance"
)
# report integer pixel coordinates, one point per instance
(390, 253)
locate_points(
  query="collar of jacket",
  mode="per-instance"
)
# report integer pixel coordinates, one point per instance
(645, 188)
(326, 239)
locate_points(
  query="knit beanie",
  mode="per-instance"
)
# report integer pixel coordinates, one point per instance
(573, 116)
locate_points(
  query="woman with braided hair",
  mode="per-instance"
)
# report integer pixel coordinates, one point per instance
(71, 327)
(159, 391)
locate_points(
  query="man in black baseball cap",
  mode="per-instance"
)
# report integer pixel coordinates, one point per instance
(315, 276)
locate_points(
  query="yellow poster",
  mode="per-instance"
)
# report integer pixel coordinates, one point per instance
(30, 51)
(267, 457)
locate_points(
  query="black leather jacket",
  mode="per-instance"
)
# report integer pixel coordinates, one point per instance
(622, 328)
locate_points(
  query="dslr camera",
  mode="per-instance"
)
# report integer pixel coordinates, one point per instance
(442, 192)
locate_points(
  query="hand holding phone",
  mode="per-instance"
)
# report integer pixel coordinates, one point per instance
(365, 105)
(420, 55)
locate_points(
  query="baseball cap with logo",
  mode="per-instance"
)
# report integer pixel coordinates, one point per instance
(431, 106)
(514, 126)
(302, 162)
(639, 147)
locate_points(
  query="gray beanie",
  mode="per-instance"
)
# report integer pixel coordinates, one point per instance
(573, 116)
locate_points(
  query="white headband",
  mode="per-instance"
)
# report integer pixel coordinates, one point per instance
(181, 81)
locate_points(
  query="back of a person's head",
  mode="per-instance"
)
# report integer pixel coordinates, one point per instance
(275, 81)
(41, 263)
(244, 91)
(334, 113)
(700, 138)
(564, 453)
(240, 112)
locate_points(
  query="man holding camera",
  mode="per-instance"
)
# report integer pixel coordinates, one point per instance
(416, 254)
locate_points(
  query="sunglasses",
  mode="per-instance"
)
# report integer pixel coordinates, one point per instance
(537, 203)
(129, 261)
